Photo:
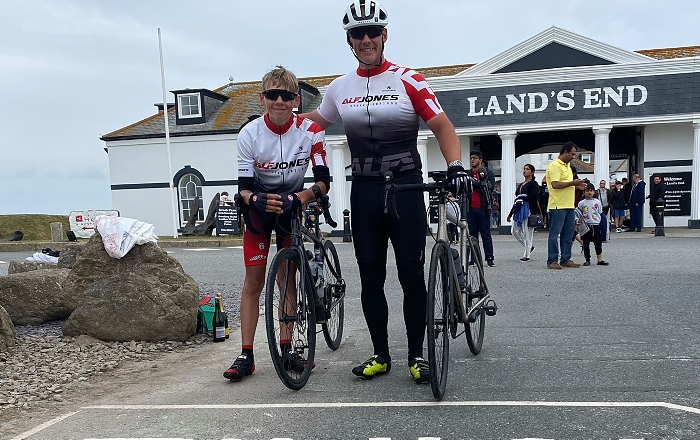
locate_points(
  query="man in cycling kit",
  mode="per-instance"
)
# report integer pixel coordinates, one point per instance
(274, 152)
(381, 105)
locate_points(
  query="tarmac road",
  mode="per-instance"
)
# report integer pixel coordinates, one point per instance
(595, 352)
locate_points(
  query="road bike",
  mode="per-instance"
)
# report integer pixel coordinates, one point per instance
(457, 289)
(304, 288)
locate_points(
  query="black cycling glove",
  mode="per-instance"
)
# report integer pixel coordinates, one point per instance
(258, 201)
(290, 202)
(459, 179)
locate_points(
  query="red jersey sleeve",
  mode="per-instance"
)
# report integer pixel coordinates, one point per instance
(422, 97)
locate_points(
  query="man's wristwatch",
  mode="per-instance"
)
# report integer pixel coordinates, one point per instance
(455, 163)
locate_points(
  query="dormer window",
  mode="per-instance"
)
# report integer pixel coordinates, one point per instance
(194, 106)
(189, 105)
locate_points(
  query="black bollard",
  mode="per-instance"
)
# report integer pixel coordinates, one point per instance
(659, 218)
(347, 235)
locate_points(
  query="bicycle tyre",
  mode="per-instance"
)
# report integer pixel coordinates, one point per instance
(438, 317)
(284, 280)
(476, 324)
(334, 293)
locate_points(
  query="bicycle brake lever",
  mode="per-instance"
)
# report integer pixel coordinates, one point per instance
(323, 202)
(389, 196)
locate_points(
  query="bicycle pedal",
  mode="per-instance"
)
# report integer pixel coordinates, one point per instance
(490, 308)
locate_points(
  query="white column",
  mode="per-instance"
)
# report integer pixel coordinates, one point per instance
(339, 194)
(601, 169)
(507, 173)
(695, 190)
(423, 153)
(465, 143)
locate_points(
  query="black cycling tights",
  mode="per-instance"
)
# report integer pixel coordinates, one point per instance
(371, 230)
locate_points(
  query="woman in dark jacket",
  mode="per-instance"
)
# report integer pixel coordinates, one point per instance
(527, 196)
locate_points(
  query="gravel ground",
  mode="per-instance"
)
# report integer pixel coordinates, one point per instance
(44, 366)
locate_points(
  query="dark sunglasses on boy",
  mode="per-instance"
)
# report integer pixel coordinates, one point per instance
(273, 94)
(359, 33)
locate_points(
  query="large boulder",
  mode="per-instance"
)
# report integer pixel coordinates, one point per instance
(7, 330)
(36, 296)
(69, 255)
(145, 295)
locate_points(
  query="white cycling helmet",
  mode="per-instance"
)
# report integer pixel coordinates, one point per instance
(364, 13)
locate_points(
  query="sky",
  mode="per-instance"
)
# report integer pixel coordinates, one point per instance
(74, 70)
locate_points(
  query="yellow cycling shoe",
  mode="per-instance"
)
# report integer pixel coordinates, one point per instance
(371, 367)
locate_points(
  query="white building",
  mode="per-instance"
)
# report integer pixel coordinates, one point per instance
(639, 111)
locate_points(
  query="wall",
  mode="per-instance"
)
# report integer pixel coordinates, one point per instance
(665, 144)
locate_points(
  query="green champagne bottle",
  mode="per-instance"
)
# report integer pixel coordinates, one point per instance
(221, 299)
(219, 321)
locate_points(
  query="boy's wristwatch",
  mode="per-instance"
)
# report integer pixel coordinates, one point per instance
(455, 163)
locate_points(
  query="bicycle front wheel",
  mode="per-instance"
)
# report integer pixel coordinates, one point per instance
(476, 322)
(334, 293)
(290, 321)
(440, 286)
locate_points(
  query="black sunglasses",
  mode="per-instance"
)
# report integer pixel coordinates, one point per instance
(273, 94)
(359, 33)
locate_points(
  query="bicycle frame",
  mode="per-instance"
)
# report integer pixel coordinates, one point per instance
(465, 243)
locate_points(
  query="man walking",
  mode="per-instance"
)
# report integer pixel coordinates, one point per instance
(561, 185)
(479, 214)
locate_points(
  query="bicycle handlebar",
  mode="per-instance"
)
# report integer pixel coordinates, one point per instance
(321, 199)
(440, 184)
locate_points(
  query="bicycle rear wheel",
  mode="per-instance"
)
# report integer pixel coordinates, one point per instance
(290, 321)
(438, 316)
(334, 293)
(476, 324)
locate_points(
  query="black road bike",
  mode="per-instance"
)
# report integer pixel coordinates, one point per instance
(303, 288)
(457, 290)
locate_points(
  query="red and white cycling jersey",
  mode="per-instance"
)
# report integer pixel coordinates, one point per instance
(380, 109)
(278, 157)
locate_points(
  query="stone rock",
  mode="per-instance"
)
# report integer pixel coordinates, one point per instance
(7, 330)
(68, 256)
(145, 295)
(21, 266)
(34, 297)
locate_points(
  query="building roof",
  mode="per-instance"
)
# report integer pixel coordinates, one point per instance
(674, 52)
(244, 102)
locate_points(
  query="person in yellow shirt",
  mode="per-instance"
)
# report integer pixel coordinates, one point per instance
(561, 185)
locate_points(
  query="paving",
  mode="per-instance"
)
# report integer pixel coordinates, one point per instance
(593, 352)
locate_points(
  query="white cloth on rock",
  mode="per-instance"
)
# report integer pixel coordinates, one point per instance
(120, 234)
(42, 258)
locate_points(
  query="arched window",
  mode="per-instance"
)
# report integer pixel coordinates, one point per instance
(189, 187)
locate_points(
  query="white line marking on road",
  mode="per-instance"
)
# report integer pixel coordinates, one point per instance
(406, 404)
(43, 426)
(201, 249)
(234, 247)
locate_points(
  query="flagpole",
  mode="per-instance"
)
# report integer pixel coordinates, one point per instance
(167, 139)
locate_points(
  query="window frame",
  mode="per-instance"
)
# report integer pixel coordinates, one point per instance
(181, 106)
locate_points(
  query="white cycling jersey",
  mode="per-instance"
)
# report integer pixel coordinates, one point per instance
(380, 109)
(278, 157)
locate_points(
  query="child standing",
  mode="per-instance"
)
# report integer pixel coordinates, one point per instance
(592, 211)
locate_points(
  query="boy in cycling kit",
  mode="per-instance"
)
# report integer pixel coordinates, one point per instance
(381, 105)
(274, 152)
